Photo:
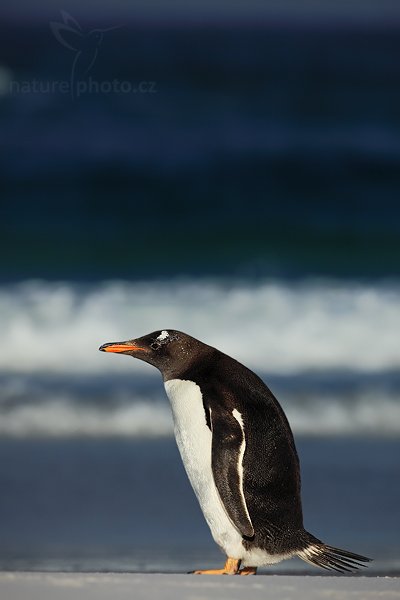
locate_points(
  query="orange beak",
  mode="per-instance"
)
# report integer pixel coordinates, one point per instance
(119, 347)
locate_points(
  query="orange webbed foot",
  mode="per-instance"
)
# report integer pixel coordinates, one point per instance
(231, 567)
(248, 571)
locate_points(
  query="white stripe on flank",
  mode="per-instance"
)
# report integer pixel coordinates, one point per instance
(236, 414)
(239, 419)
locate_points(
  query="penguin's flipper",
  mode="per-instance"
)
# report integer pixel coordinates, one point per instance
(228, 446)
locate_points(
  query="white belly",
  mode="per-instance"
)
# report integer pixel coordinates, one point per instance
(194, 442)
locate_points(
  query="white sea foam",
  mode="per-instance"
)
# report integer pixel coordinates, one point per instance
(332, 348)
(270, 326)
(64, 417)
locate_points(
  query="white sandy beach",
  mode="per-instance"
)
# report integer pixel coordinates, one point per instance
(133, 586)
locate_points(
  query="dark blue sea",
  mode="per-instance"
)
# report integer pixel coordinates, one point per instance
(234, 178)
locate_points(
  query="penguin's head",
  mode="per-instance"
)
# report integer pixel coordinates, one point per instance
(168, 350)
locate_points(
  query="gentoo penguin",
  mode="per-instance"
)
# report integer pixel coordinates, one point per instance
(239, 454)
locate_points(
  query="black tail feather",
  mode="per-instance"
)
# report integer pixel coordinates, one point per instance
(333, 559)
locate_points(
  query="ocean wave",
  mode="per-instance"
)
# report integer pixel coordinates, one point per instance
(274, 326)
(62, 416)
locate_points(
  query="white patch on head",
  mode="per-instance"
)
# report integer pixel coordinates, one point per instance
(163, 335)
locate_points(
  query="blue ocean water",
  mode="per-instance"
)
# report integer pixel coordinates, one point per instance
(250, 199)
(90, 475)
(263, 150)
(126, 505)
